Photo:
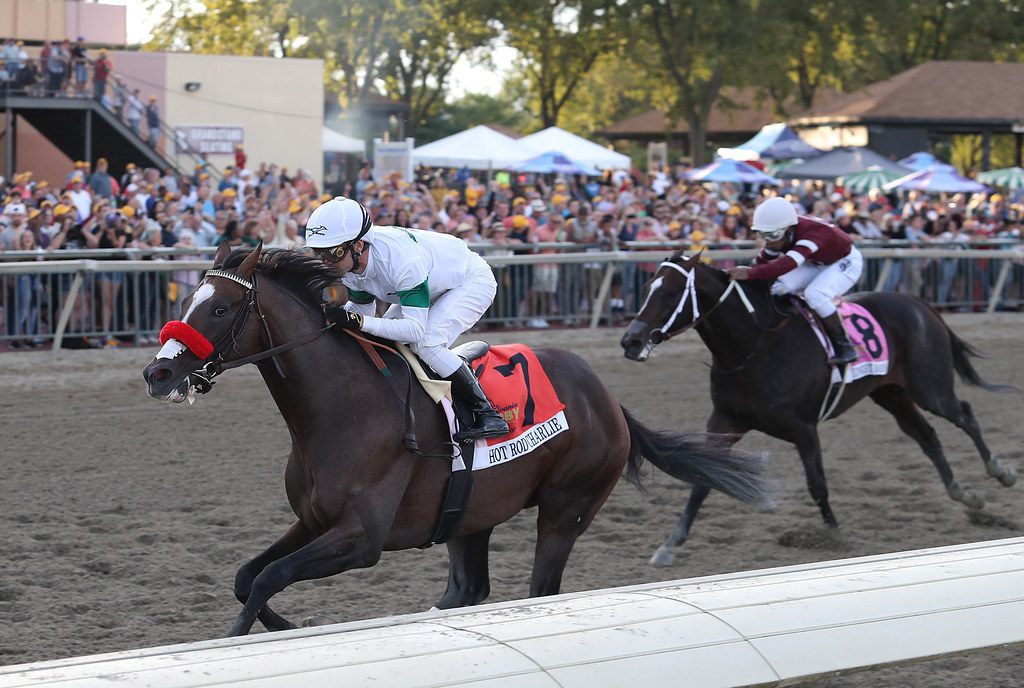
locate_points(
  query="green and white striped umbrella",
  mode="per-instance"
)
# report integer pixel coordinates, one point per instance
(1007, 178)
(873, 177)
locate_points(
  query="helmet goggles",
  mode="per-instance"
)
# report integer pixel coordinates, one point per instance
(333, 254)
(775, 234)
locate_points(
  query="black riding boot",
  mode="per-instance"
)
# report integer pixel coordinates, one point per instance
(845, 353)
(486, 421)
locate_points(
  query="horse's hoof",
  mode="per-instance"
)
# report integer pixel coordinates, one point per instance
(968, 497)
(663, 556)
(317, 620)
(1008, 477)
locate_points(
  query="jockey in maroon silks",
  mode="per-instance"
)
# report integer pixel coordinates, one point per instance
(809, 257)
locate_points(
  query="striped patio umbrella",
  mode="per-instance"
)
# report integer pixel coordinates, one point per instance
(939, 178)
(873, 177)
(1011, 178)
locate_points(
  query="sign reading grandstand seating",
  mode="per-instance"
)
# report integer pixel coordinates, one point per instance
(208, 140)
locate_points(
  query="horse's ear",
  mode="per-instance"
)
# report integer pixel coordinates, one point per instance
(693, 259)
(223, 251)
(248, 265)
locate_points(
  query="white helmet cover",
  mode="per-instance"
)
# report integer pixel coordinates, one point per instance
(772, 215)
(336, 222)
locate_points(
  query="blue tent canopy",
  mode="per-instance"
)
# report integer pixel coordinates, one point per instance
(557, 162)
(919, 161)
(734, 171)
(776, 142)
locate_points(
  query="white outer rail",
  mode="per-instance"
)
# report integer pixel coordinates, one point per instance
(761, 628)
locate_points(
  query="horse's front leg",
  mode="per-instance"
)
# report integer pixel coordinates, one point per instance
(809, 447)
(724, 430)
(345, 546)
(297, 536)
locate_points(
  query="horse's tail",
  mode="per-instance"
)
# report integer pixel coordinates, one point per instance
(690, 457)
(962, 354)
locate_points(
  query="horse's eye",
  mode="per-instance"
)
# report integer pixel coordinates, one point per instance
(220, 311)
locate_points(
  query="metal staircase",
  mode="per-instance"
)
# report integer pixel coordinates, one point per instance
(84, 130)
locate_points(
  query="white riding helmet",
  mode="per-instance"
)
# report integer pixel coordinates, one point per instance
(773, 216)
(338, 221)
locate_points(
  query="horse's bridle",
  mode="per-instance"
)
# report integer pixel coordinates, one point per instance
(690, 293)
(214, 364)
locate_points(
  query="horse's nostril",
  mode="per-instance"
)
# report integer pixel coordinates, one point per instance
(160, 375)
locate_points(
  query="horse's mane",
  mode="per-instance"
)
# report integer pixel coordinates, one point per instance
(300, 273)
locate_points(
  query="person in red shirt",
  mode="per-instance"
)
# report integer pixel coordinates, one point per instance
(809, 257)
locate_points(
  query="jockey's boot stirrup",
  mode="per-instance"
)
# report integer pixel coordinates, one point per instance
(845, 353)
(486, 421)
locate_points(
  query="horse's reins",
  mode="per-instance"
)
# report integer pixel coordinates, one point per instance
(215, 364)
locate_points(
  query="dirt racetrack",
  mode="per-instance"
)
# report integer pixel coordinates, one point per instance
(125, 519)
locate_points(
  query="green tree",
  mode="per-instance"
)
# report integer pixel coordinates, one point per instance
(558, 42)
(700, 47)
(420, 59)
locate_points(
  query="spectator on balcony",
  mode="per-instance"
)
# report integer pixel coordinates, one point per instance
(120, 97)
(29, 79)
(55, 64)
(78, 63)
(100, 73)
(6, 83)
(153, 121)
(135, 111)
(11, 55)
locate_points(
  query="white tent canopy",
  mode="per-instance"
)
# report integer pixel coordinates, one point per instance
(576, 147)
(479, 148)
(333, 142)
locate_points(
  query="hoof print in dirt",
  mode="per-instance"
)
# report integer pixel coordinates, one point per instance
(825, 538)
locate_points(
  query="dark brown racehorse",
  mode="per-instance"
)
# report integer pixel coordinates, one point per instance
(350, 480)
(769, 372)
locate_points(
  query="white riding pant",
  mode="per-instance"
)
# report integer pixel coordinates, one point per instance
(454, 312)
(820, 284)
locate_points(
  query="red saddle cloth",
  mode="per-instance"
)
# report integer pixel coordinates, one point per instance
(517, 387)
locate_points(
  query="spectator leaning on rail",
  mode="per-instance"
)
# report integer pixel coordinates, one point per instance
(438, 289)
(807, 256)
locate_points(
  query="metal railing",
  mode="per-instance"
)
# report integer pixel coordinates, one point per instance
(63, 302)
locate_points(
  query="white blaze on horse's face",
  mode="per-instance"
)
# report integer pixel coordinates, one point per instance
(658, 281)
(173, 347)
(203, 294)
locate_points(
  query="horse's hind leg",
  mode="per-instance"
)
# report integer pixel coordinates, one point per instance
(960, 414)
(559, 523)
(296, 537)
(726, 430)
(664, 556)
(468, 579)
(898, 402)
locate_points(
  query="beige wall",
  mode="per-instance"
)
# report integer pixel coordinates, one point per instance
(279, 104)
(48, 20)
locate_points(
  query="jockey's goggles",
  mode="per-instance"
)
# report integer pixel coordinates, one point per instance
(333, 254)
(775, 234)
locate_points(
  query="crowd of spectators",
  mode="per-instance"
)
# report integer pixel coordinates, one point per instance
(144, 209)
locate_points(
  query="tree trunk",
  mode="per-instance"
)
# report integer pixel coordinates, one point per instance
(698, 140)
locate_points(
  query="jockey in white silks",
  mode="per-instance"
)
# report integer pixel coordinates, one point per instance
(438, 289)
